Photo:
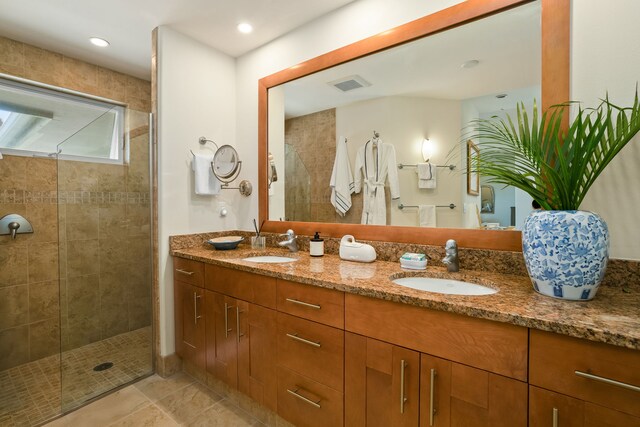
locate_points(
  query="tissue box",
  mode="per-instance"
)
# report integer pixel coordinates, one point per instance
(413, 261)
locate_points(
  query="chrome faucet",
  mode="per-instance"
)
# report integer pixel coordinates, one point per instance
(291, 242)
(451, 258)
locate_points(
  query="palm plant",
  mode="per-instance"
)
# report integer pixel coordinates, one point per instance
(556, 167)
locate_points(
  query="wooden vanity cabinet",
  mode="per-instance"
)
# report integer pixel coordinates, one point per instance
(588, 383)
(188, 295)
(241, 335)
(381, 383)
(550, 409)
(452, 394)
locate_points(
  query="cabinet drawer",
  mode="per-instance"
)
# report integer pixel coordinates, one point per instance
(493, 346)
(246, 286)
(559, 363)
(305, 402)
(311, 349)
(311, 302)
(188, 271)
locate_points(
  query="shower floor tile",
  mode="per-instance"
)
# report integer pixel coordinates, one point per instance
(37, 391)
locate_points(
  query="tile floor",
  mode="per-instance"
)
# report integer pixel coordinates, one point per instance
(157, 402)
(31, 393)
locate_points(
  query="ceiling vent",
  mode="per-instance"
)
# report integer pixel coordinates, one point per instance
(350, 83)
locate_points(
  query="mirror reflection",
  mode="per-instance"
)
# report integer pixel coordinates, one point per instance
(368, 141)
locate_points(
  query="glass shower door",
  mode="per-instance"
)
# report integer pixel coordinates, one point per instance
(104, 216)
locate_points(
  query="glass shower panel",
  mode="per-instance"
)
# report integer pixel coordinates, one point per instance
(104, 216)
(297, 187)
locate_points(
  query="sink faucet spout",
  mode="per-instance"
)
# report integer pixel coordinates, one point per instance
(451, 256)
(291, 242)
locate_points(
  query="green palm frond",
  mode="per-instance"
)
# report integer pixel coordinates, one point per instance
(557, 167)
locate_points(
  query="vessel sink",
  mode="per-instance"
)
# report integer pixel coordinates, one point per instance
(269, 259)
(444, 286)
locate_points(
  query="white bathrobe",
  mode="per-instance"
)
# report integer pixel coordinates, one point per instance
(370, 175)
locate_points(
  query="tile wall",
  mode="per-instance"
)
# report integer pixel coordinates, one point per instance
(104, 226)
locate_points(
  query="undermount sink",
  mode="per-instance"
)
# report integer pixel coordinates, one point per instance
(269, 259)
(444, 286)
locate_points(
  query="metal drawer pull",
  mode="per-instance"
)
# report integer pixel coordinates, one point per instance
(238, 334)
(432, 411)
(555, 417)
(403, 398)
(607, 381)
(296, 337)
(188, 273)
(306, 304)
(196, 297)
(304, 399)
(226, 319)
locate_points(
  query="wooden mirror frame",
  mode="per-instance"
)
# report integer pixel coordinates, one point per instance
(555, 44)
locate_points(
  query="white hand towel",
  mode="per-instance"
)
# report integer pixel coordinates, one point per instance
(426, 175)
(341, 179)
(471, 216)
(206, 184)
(427, 215)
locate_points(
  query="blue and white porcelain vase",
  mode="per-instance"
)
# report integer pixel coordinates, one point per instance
(566, 253)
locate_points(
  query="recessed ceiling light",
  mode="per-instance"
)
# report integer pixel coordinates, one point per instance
(470, 64)
(245, 27)
(99, 42)
(501, 95)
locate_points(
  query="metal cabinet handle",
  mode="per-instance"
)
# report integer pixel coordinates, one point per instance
(226, 320)
(432, 410)
(297, 338)
(306, 304)
(555, 417)
(607, 381)
(403, 398)
(304, 399)
(188, 273)
(238, 334)
(196, 297)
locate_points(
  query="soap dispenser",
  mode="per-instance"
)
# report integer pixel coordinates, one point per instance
(316, 245)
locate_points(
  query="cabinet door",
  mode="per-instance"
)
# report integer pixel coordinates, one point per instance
(222, 344)
(452, 394)
(256, 336)
(381, 383)
(189, 323)
(549, 409)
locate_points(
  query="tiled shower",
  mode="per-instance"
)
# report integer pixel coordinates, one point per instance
(75, 295)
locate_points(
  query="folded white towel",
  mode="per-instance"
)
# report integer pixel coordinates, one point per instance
(341, 179)
(206, 184)
(426, 175)
(427, 215)
(471, 216)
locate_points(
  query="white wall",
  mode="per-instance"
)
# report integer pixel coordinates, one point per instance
(405, 122)
(196, 97)
(605, 56)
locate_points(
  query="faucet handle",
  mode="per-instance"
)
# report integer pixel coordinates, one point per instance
(290, 234)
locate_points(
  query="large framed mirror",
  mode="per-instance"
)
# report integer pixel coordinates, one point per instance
(416, 87)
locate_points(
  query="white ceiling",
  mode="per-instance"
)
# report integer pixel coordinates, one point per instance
(64, 26)
(507, 46)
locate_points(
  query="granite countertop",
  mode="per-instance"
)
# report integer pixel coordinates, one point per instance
(612, 317)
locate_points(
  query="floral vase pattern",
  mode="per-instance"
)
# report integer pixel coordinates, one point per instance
(566, 253)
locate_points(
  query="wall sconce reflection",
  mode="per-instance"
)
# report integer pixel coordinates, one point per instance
(428, 148)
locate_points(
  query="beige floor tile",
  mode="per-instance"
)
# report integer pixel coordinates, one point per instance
(187, 403)
(109, 409)
(224, 414)
(148, 416)
(155, 387)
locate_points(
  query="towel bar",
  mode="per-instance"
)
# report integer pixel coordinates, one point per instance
(402, 166)
(450, 206)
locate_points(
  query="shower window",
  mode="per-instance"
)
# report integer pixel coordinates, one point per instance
(35, 120)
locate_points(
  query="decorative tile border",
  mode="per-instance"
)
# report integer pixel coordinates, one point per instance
(75, 197)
